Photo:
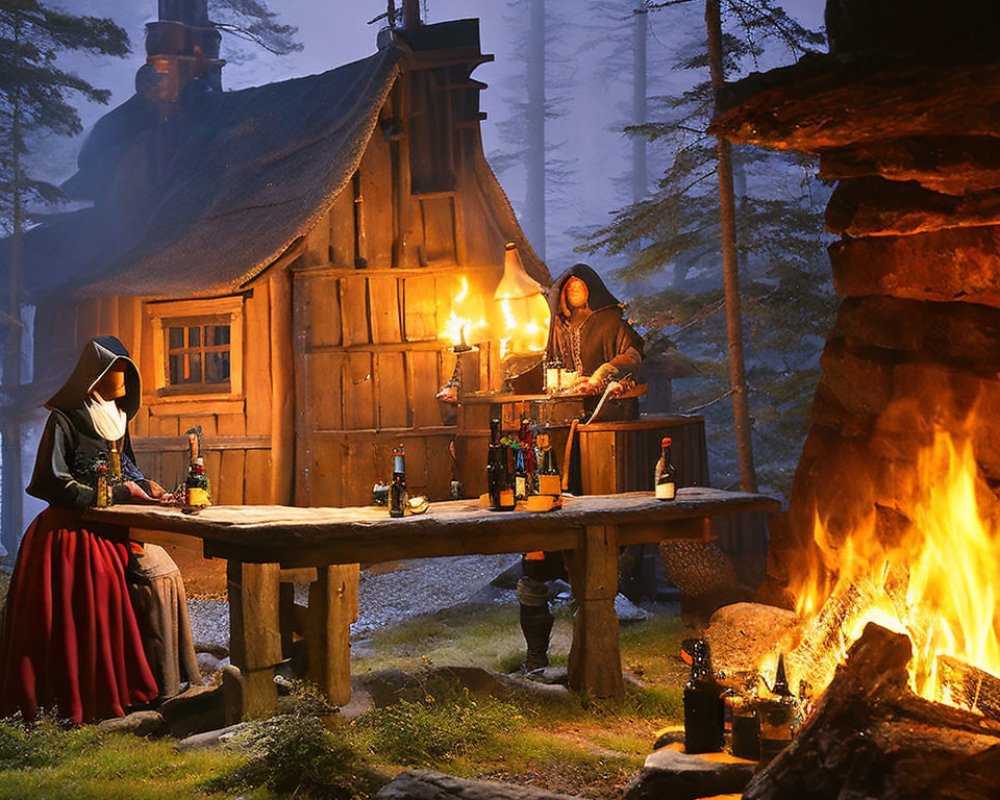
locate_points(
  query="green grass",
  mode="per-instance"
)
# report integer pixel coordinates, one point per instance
(84, 764)
(564, 743)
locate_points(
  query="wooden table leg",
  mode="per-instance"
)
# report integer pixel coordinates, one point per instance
(595, 658)
(255, 633)
(333, 606)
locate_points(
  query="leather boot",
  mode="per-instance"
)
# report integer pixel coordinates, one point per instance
(536, 625)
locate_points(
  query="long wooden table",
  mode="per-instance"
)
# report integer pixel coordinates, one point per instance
(259, 541)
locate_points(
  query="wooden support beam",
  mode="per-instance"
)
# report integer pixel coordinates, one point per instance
(333, 606)
(254, 633)
(595, 658)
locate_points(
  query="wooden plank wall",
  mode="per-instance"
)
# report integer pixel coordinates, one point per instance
(368, 359)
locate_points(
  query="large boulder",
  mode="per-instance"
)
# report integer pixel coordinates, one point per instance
(669, 773)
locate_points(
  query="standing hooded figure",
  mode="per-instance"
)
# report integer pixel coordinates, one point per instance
(588, 333)
(71, 638)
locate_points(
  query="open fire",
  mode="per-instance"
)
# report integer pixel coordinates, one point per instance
(516, 315)
(935, 582)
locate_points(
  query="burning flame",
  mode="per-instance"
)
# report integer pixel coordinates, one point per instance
(937, 583)
(459, 328)
(519, 324)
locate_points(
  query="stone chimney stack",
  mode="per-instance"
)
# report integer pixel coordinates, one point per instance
(182, 47)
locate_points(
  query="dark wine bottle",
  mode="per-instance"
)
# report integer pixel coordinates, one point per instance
(704, 708)
(494, 466)
(520, 477)
(665, 476)
(397, 490)
(548, 476)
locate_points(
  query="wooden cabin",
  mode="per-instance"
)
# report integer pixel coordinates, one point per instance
(280, 260)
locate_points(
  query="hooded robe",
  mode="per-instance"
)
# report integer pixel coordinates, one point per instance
(602, 337)
(71, 638)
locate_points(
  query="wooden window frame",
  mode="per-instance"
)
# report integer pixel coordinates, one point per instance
(189, 313)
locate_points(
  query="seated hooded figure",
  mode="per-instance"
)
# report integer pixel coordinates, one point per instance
(588, 333)
(93, 623)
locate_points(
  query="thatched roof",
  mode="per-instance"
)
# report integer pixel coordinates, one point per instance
(226, 186)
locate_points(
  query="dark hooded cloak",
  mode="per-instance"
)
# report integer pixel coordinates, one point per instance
(603, 337)
(70, 639)
(70, 446)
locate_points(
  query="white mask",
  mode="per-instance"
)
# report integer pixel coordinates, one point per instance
(109, 420)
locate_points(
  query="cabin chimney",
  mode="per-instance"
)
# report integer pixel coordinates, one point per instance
(182, 53)
(411, 14)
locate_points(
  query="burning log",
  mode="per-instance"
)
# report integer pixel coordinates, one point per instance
(870, 736)
(974, 688)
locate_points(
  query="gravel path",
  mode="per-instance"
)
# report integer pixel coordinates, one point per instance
(418, 587)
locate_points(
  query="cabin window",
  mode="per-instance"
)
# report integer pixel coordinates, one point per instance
(198, 347)
(198, 353)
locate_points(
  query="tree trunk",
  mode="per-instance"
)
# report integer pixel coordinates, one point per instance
(11, 500)
(640, 32)
(730, 265)
(534, 206)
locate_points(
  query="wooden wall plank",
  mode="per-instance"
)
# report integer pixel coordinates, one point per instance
(378, 206)
(173, 469)
(257, 482)
(163, 426)
(392, 408)
(139, 426)
(439, 467)
(358, 392)
(383, 304)
(231, 478)
(207, 422)
(257, 363)
(318, 304)
(130, 325)
(416, 466)
(326, 474)
(421, 309)
(109, 319)
(231, 425)
(324, 373)
(341, 222)
(360, 470)
(423, 378)
(439, 229)
(282, 342)
(354, 304)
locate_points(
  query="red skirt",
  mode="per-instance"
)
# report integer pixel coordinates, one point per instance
(70, 640)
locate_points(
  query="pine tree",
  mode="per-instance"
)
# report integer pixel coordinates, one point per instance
(254, 22)
(786, 292)
(538, 98)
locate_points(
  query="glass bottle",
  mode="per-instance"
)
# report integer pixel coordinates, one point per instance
(102, 493)
(397, 490)
(520, 477)
(549, 482)
(196, 490)
(665, 476)
(494, 466)
(704, 709)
